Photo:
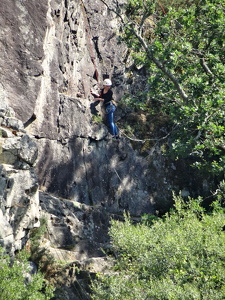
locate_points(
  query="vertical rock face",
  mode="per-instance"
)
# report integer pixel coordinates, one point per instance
(19, 200)
(23, 25)
(54, 49)
(51, 54)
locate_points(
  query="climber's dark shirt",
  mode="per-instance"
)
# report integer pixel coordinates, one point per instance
(107, 97)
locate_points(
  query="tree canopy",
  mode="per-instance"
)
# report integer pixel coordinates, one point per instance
(182, 47)
(181, 255)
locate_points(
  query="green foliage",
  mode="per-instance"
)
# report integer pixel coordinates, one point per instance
(37, 233)
(13, 283)
(134, 7)
(184, 57)
(38, 254)
(177, 3)
(97, 119)
(148, 219)
(35, 236)
(220, 193)
(181, 256)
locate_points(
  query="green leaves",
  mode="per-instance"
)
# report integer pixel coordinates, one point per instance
(13, 283)
(185, 61)
(181, 256)
(134, 7)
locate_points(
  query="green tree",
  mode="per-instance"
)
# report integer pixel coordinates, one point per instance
(182, 48)
(181, 256)
(13, 282)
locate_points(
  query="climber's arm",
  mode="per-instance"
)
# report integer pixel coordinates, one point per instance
(96, 96)
(94, 93)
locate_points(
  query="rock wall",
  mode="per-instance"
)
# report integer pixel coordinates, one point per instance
(23, 25)
(54, 49)
(51, 53)
(56, 158)
(19, 197)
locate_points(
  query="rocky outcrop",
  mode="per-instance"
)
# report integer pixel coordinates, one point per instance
(57, 158)
(19, 199)
(23, 26)
(50, 55)
(69, 43)
(76, 232)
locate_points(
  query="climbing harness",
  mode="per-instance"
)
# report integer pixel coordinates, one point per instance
(110, 108)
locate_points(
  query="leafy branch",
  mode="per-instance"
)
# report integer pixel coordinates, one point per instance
(137, 32)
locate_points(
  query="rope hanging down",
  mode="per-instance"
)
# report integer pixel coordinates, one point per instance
(88, 30)
(145, 140)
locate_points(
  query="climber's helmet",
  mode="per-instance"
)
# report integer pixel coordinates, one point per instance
(107, 82)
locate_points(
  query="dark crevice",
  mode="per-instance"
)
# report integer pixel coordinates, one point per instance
(31, 120)
(66, 19)
(95, 40)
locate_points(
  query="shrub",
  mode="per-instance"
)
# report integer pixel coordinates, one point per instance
(180, 256)
(13, 282)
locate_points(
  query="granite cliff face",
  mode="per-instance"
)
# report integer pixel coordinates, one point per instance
(19, 199)
(51, 51)
(56, 160)
(51, 54)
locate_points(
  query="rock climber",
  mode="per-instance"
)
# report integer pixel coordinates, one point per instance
(106, 96)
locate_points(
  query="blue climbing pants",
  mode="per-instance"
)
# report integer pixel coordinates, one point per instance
(113, 128)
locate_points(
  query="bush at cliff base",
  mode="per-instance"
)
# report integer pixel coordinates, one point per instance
(17, 284)
(180, 256)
